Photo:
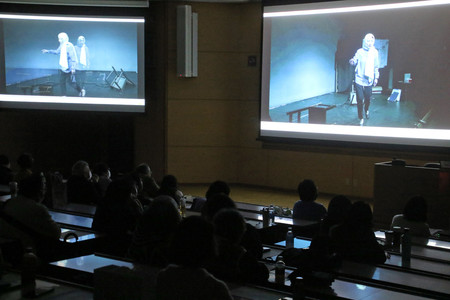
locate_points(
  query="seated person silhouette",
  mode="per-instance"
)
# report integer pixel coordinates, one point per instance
(27, 210)
(154, 232)
(25, 162)
(354, 239)
(251, 240)
(186, 278)
(216, 187)
(414, 217)
(337, 212)
(169, 187)
(80, 185)
(306, 208)
(233, 262)
(150, 186)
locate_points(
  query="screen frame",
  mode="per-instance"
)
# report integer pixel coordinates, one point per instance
(272, 134)
(138, 105)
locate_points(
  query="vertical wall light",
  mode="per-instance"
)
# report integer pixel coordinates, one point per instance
(187, 42)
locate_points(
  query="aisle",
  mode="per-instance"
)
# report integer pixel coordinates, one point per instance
(258, 195)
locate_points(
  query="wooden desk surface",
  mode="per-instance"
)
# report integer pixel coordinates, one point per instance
(351, 290)
(422, 276)
(345, 289)
(435, 250)
(4, 198)
(422, 265)
(60, 291)
(77, 208)
(413, 282)
(424, 242)
(88, 263)
(71, 220)
(81, 234)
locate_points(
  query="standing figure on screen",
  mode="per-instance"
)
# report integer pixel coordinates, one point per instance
(366, 74)
(67, 63)
(83, 62)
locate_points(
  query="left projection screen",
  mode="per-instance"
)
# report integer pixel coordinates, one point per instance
(44, 63)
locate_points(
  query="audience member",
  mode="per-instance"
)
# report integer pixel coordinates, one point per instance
(321, 254)
(216, 187)
(6, 174)
(306, 208)
(354, 239)
(25, 162)
(154, 232)
(150, 186)
(414, 217)
(103, 177)
(251, 240)
(27, 209)
(192, 246)
(337, 212)
(80, 186)
(169, 187)
(233, 262)
(117, 213)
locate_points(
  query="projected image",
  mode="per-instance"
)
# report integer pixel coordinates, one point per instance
(381, 68)
(78, 61)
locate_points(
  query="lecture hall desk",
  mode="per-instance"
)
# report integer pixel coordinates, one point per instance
(426, 276)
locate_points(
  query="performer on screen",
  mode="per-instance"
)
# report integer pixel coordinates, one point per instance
(83, 62)
(366, 74)
(67, 63)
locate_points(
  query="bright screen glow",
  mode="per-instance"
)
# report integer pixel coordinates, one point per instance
(39, 71)
(308, 88)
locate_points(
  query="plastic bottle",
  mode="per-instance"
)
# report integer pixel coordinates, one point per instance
(289, 238)
(265, 216)
(271, 214)
(406, 248)
(396, 240)
(280, 268)
(183, 207)
(28, 273)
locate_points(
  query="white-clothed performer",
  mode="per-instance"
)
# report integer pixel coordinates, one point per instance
(83, 62)
(366, 64)
(67, 63)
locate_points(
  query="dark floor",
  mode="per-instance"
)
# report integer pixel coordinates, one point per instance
(383, 113)
(261, 195)
(97, 84)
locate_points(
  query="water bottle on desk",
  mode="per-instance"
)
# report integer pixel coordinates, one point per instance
(183, 207)
(280, 269)
(28, 273)
(271, 214)
(406, 248)
(396, 238)
(265, 216)
(289, 238)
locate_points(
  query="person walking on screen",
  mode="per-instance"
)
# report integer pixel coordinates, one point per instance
(366, 74)
(84, 61)
(67, 63)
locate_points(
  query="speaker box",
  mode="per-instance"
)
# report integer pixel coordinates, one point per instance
(187, 41)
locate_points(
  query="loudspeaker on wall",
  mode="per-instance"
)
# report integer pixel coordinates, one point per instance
(187, 42)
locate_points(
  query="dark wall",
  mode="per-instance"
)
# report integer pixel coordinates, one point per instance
(58, 139)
